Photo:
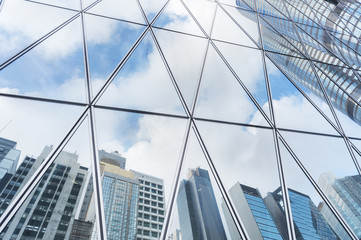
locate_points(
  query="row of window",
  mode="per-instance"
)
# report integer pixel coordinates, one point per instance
(148, 202)
(147, 233)
(146, 183)
(147, 189)
(154, 197)
(152, 210)
(150, 217)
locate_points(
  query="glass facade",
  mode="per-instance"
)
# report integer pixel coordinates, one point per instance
(180, 119)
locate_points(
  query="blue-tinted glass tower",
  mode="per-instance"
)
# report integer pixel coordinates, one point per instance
(345, 194)
(308, 221)
(198, 213)
(253, 212)
(120, 194)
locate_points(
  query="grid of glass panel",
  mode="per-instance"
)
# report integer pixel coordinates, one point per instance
(139, 118)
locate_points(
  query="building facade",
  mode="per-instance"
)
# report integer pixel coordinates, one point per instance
(9, 157)
(151, 208)
(261, 92)
(253, 212)
(345, 195)
(198, 212)
(56, 197)
(308, 221)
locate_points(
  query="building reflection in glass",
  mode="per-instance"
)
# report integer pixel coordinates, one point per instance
(264, 218)
(345, 194)
(198, 213)
(48, 213)
(330, 46)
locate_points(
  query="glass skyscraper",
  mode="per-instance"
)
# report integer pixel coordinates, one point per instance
(344, 193)
(266, 93)
(199, 216)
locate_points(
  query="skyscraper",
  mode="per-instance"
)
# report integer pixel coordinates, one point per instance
(308, 221)
(121, 197)
(253, 213)
(345, 194)
(265, 92)
(316, 37)
(56, 197)
(198, 212)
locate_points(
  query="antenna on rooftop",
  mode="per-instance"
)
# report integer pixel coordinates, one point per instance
(6, 126)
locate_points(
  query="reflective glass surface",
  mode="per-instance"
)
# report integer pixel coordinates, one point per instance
(180, 119)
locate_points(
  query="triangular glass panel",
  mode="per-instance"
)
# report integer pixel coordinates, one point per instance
(24, 22)
(203, 11)
(307, 206)
(127, 10)
(225, 29)
(247, 63)
(222, 97)
(132, 151)
(184, 62)
(320, 153)
(108, 41)
(25, 120)
(342, 85)
(152, 8)
(176, 17)
(143, 83)
(40, 72)
(302, 75)
(70, 4)
(58, 206)
(247, 20)
(197, 211)
(292, 110)
(247, 173)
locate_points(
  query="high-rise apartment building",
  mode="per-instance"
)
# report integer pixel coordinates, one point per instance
(198, 213)
(9, 157)
(264, 92)
(345, 194)
(50, 211)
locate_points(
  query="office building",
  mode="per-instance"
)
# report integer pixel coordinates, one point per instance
(253, 212)
(9, 157)
(147, 77)
(198, 213)
(151, 208)
(345, 194)
(50, 210)
(308, 221)
(120, 196)
(134, 201)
